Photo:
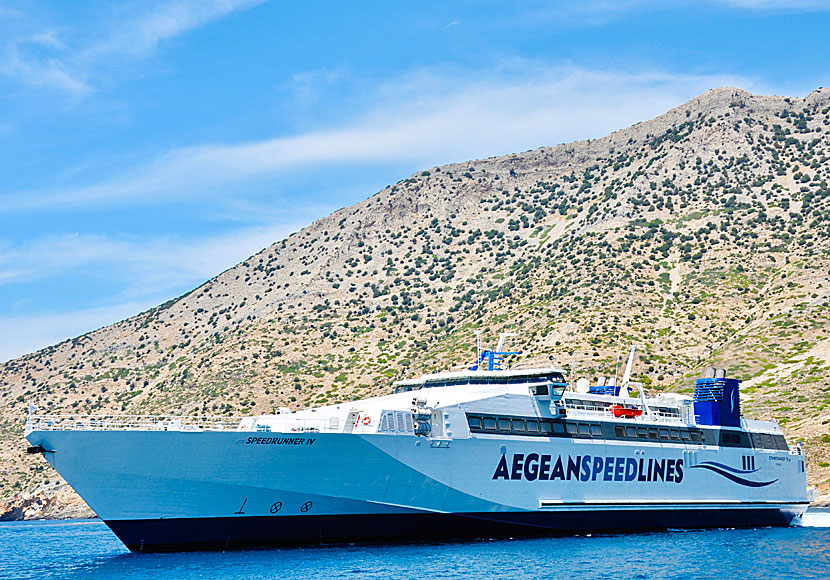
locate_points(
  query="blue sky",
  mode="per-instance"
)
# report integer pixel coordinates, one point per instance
(147, 146)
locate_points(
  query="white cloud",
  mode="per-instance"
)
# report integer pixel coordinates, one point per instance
(24, 334)
(143, 33)
(423, 117)
(308, 87)
(143, 265)
(149, 271)
(46, 70)
(46, 58)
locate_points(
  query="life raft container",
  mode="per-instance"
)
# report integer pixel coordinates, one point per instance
(625, 412)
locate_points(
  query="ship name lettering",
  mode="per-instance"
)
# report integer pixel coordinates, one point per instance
(536, 466)
(279, 441)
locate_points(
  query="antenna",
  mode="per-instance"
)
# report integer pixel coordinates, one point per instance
(502, 337)
(627, 379)
(478, 345)
(627, 374)
(617, 365)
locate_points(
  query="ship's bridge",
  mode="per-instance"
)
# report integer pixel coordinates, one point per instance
(555, 378)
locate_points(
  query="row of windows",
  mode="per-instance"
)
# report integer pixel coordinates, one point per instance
(657, 434)
(527, 426)
(730, 438)
(558, 428)
(768, 441)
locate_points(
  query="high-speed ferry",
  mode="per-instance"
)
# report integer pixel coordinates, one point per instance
(487, 451)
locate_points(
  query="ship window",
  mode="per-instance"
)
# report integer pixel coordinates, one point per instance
(619, 431)
(675, 434)
(758, 440)
(652, 433)
(571, 428)
(642, 433)
(596, 431)
(532, 427)
(518, 425)
(489, 423)
(781, 442)
(558, 428)
(504, 424)
(664, 433)
(685, 436)
(539, 390)
(583, 429)
(695, 435)
(630, 432)
(546, 426)
(474, 422)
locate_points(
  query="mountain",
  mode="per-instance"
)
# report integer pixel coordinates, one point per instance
(703, 234)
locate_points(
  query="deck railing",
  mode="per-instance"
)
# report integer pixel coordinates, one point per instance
(131, 423)
(274, 424)
(597, 412)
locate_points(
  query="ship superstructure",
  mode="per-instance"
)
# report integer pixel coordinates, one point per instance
(481, 452)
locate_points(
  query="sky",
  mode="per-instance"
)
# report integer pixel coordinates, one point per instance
(147, 146)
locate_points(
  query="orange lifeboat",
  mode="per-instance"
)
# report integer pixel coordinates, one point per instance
(625, 412)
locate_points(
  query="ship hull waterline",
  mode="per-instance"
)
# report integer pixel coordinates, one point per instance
(226, 533)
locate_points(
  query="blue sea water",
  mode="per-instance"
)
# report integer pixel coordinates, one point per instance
(75, 549)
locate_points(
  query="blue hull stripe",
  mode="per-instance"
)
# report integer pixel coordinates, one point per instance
(728, 468)
(733, 477)
(168, 535)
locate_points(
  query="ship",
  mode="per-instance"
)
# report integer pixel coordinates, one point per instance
(488, 451)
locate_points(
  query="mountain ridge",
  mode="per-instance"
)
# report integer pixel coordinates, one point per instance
(714, 213)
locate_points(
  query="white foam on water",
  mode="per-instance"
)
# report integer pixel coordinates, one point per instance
(814, 520)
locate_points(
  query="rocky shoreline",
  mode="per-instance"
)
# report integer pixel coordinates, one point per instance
(48, 502)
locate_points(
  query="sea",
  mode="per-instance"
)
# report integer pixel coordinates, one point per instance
(75, 549)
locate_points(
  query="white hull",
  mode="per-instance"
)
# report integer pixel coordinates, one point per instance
(143, 476)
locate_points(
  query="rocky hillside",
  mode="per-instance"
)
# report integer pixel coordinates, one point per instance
(703, 234)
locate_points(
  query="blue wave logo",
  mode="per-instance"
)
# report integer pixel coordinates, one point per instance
(732, 474)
